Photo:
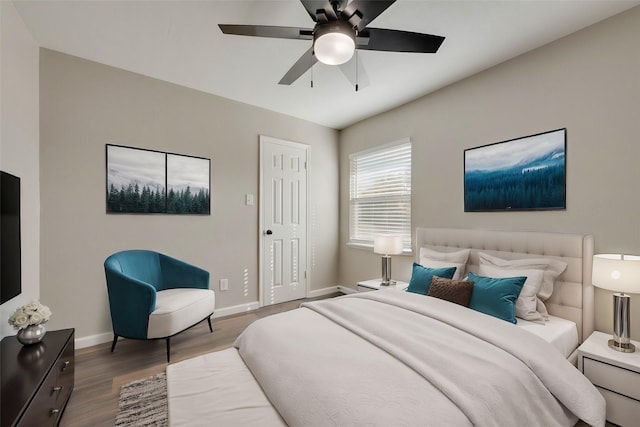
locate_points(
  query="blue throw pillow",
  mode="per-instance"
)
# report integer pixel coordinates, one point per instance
(421, 277)
(496, 297)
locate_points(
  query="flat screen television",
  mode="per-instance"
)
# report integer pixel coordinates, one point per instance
(10, 256)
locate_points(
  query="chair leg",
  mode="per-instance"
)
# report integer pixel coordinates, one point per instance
(168, 348)
(209, 320)
(113, 344)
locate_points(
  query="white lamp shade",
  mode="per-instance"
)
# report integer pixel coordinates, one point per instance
(618, 273)
(387, 245)
(334, 48)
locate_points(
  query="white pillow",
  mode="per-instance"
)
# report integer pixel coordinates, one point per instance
(431, 258)
(552, 268)
(432, 263)
(527, 302)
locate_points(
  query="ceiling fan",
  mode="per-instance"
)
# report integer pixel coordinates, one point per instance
(341, 27)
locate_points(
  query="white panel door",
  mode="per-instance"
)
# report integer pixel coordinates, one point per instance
(284, 220)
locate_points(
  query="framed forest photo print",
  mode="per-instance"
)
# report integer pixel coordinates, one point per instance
(149, 181)
(187, 184)
(527, 173)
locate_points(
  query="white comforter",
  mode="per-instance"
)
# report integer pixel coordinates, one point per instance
(390, 358)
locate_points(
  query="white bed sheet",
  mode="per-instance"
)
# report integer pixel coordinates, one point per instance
(218, 386)
(559, 332)
(217, 389)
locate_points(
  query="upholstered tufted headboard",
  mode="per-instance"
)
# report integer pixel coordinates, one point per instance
(573, 295)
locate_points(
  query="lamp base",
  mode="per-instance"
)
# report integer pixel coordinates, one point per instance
(621, 324)
(388, 283)
(386, 271)
(625, 348)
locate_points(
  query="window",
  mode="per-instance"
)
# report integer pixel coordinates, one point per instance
(380, 193)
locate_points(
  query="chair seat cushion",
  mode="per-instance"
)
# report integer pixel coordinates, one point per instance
(177, 309)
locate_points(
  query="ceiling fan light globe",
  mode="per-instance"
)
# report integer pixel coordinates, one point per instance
(334, 44)
(334, 48)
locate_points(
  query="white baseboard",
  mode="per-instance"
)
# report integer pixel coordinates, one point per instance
(92, 340)
(322, 292)
(102, 338)
(346, 289)
(236, 309)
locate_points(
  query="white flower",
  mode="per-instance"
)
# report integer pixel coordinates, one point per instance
(32, 313)
(35, 318)
(45, 311)
(20, 320)
(32, 306)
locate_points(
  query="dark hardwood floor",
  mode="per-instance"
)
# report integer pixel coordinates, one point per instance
(99, 373)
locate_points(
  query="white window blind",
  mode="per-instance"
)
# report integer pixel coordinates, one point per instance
(380, 193)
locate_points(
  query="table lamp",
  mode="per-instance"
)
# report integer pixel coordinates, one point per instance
(621, 274)
(387, 245)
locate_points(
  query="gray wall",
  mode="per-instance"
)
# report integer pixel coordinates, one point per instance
(587, 82)
(19, 145)
(85, 105)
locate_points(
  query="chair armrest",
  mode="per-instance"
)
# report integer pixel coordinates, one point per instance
(179, 274)
(131, 301)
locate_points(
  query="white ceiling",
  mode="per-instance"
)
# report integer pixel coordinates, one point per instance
(180, 42)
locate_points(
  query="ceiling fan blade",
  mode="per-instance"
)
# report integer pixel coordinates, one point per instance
(306, 61)
(313, 6)
(367, 10)
(268, 31)
(399, 41)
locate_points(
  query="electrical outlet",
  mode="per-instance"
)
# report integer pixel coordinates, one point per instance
(224, 284)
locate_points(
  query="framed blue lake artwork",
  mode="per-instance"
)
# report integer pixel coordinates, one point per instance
(522, 174)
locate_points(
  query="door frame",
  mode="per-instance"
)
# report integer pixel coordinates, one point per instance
(264, 139)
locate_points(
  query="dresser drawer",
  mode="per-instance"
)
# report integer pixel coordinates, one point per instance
(64, 369)
(41, 409)
(621, 410)
(620, 380)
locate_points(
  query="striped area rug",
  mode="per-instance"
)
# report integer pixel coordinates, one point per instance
(143, 403)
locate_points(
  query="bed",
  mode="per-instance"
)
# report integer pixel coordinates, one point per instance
(392, 358)
(573, 295)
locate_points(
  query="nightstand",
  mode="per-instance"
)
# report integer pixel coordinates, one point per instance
(374, 285)
(616, 375)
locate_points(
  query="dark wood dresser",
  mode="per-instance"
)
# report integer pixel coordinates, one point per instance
(37, 380)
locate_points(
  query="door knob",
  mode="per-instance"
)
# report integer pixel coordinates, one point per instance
(268, 232)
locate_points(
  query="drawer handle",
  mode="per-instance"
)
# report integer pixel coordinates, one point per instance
(55, 412)
(66, 365)
(58, 388)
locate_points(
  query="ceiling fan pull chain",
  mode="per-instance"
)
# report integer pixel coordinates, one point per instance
(356, 70)
(311, 71)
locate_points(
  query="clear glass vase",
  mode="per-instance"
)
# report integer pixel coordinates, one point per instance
(32, 334)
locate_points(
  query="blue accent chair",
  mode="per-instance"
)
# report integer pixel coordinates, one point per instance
(154, 296)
